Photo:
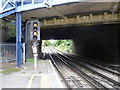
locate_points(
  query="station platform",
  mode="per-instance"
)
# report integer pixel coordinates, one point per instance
(44, 76)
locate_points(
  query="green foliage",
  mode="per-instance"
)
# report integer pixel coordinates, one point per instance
(61, 45)
(30, 60)
(9, 29)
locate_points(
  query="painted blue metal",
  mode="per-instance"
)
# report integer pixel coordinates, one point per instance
(4, 14)
(18, 40)
(9, 5)
(30, 7)
(25, 5)
(62, 2)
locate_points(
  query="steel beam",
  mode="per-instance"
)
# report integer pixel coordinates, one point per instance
(80, 20)
(18, 40)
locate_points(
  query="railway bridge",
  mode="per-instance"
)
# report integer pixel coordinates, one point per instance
(94, 26)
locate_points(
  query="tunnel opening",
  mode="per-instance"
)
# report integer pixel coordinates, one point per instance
(99, 43)
(64, 45)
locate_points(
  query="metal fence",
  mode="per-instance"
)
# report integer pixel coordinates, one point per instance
(7, 52)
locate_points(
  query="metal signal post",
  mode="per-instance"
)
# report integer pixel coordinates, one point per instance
(34, 48)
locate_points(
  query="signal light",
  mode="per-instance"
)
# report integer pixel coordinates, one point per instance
(34, 38)
(35, 24)
(35, 30)
(35, 33)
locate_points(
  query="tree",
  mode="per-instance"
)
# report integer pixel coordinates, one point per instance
(59, 44)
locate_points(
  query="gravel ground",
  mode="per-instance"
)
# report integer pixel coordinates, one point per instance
(8, 65)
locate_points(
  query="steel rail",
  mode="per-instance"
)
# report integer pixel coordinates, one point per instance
(101, 75)
(59, 72)
(89, 79)
(93, 64)
(96, 65)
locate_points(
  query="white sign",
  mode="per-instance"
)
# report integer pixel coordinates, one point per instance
(34, 49)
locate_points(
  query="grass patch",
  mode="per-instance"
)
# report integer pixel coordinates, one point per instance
(30, 60)
(8, 71)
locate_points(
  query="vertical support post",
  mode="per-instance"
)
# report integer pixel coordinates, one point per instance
(33, 2)
(26, 40)
(34, 48)
(24, 59)
(22, 3)
(91, 17)
(35, 61)
(18, 39)
(45, 22)
(54, 20)
(78, 18)
(118, 14)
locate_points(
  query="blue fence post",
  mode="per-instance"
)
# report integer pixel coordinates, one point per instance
(18, 40)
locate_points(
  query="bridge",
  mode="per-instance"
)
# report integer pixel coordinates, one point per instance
(92, 25)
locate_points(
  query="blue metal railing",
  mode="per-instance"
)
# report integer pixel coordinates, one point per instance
(8, 7)
(26, 2)
(9, 3)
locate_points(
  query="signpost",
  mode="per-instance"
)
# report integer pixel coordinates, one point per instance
(34, 48)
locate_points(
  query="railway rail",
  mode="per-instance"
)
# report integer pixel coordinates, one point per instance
(92, 76)
(95, 85)
(87, 61)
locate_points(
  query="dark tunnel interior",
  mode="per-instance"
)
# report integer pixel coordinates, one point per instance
(100, 43)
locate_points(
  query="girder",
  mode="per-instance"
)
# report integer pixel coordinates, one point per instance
(26, 5)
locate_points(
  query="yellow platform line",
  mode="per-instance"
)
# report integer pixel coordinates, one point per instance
(30, 81)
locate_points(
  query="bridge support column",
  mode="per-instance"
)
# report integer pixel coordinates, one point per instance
(18, 40)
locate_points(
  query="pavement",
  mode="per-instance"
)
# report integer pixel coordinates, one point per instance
(44, 76)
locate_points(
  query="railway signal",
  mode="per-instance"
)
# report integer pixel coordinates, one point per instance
(35, 30)
(35, 37)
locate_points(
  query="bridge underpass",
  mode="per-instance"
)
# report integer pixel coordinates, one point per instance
(92, 26)
(97, 42)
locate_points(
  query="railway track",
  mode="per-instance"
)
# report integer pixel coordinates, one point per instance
(86, 60)
(81, 74)
(72, 78)
(91, 65)
(100, 80)
(96, 65)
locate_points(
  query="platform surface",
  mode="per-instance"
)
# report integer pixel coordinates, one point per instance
(43, 77)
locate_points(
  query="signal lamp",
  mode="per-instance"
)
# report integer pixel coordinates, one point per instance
(35, 30)
(35, 33)
(35, 38)
(35, 24)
